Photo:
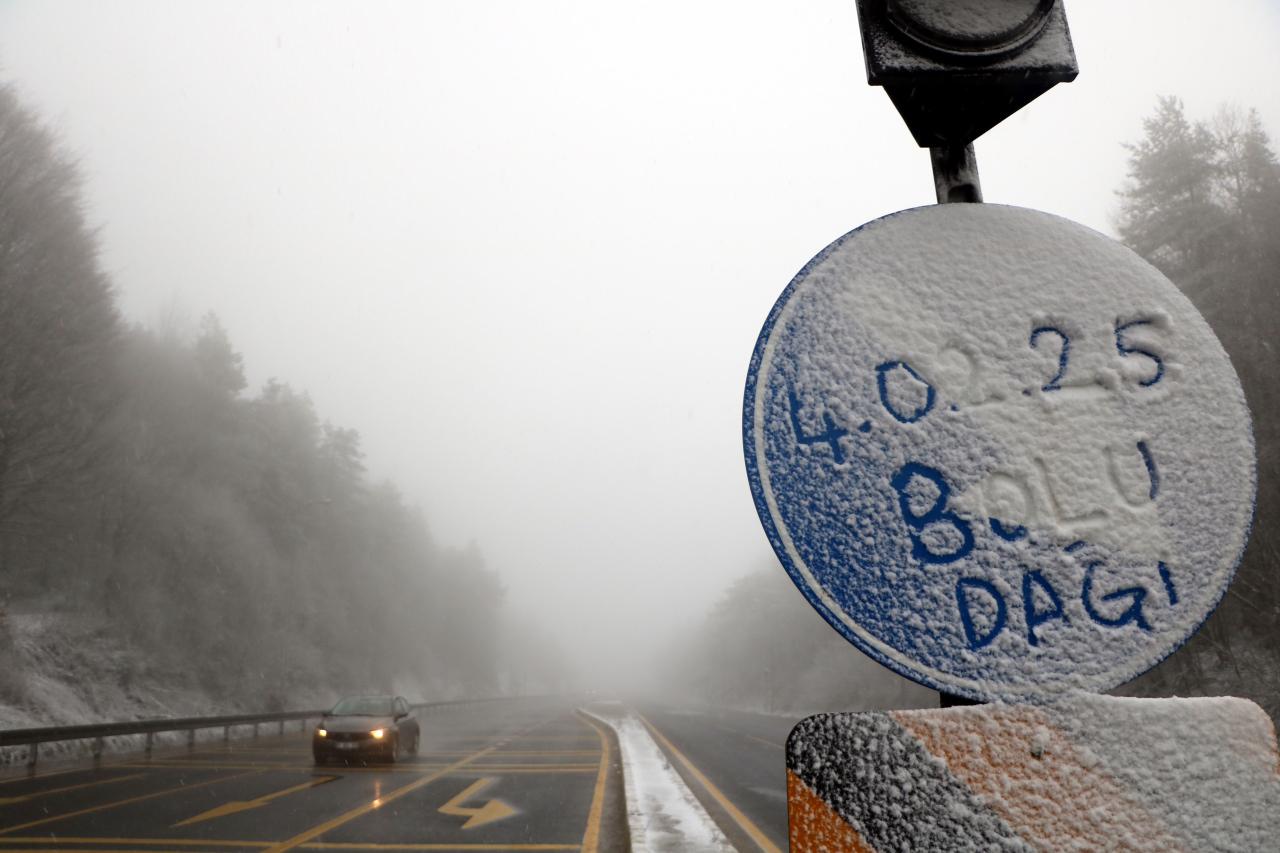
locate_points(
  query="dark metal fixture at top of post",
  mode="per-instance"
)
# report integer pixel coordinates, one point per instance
(957, 68)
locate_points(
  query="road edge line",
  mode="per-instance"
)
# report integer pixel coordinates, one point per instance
(591, 838)
(638, 818)
(744, 823)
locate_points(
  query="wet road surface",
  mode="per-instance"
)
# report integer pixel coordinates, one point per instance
(505, 775)
(734, 763)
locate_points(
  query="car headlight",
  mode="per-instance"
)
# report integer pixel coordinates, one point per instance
(378, 733)
(321, 733)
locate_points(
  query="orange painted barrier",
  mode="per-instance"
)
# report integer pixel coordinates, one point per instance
(1086, 773)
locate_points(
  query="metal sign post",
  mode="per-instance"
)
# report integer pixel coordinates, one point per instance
(997, 451)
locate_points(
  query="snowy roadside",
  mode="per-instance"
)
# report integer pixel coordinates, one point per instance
(662, 813)
(60, 670)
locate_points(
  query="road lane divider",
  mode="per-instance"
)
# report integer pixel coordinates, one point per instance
(744, 823)
(141, 798)
(737, 733)
(85, 844)
(237, 806)
(591, 838)
(459, 752)
(452, 847)
(22, 798)
(662, 813)
(776, 746)
(534, 769)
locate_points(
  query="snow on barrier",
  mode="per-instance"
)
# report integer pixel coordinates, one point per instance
(1085, 773)
(662, 813)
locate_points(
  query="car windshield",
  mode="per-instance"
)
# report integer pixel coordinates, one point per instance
(363, 706)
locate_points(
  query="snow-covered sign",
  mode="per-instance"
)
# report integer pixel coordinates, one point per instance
(998, 451)
(1089, 773)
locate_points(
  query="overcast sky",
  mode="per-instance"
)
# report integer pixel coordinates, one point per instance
(526, 247)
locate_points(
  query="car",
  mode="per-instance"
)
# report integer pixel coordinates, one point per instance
(364, 727)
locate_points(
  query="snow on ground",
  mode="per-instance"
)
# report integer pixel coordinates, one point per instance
(62, 670)
(1082, 774)
(662, 812)
(66, 671)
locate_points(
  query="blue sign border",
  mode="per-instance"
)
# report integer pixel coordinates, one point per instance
(775, 539)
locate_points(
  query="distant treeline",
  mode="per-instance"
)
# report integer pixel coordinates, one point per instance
(231, 537)
(1202, 203)
(763, 648)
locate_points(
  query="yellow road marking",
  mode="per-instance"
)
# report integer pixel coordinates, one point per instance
(85, 849)
(236, 806)
(249, 765)
(491, 811)
(763, 741)
(579, 765)
(587, 738)
(27, 777)
(347, 817)
(104, 806)
(316, 831)
(591, 838)
(4, 801)
(522, 752)
(336, 845)
(535, 768)
(762, 841)
(400, 768)
(155, 842)
(587, 755)
(734, 731)
(216, 752)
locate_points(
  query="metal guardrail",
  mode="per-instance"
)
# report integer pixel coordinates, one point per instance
(98, 732)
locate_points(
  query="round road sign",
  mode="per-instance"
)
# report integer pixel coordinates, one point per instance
(998, 451)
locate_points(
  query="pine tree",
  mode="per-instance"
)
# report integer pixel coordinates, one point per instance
(58, 332)
(1203, 205)
(1168, 213)
(220, 365)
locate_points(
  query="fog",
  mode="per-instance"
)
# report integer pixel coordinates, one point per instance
(525, 248)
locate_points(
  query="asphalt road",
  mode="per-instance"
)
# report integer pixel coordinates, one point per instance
(734, 763)
(505, 775)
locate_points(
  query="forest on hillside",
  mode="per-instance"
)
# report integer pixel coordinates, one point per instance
(763, 648)
(227, 538)
(1202, 203)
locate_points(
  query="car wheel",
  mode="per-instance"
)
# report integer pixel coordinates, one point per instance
(413, 745)
(394, 752)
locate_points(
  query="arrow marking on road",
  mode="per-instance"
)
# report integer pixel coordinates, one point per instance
(244, 805)
(477, 815)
